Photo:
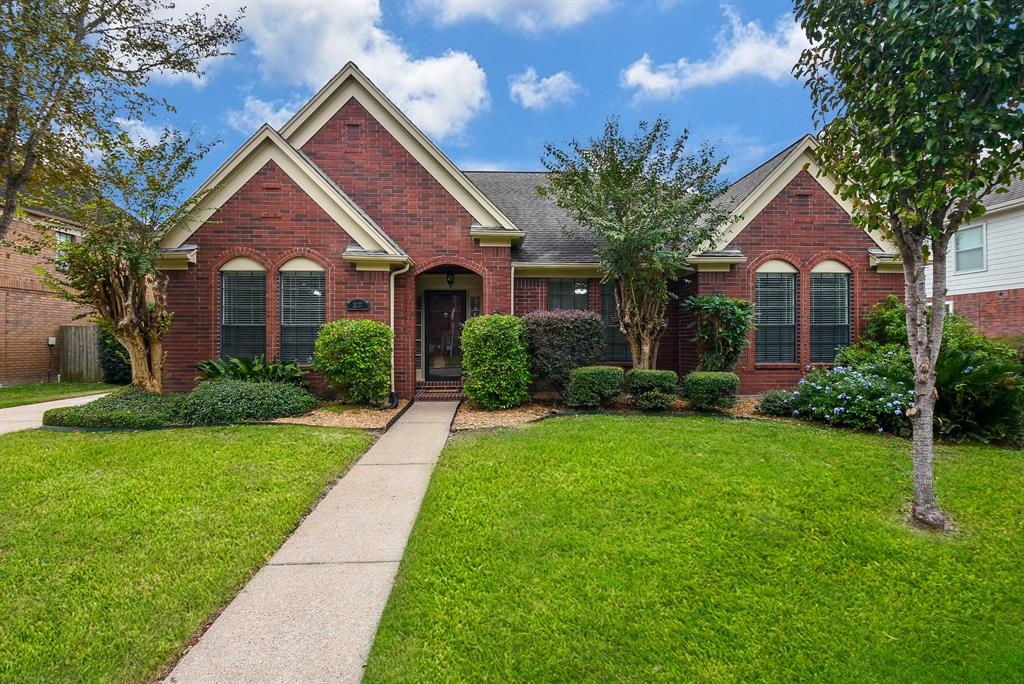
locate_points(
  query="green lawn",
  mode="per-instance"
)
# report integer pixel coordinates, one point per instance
(115, 547)
(18, 395)
(606, 548)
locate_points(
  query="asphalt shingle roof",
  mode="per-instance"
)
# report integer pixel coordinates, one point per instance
(1015, 191)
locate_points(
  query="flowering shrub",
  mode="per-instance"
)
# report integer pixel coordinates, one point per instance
(852, 397)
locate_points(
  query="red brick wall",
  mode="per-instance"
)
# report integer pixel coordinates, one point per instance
(803, 225)
(996, 313)
(271, 220)
(29, 314)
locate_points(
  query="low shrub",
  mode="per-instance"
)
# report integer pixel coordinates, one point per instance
(256, 369)
(854, 398)
(711, 390)
(1014, 342)
(117, 369)
(562, 340)
(654, 401)
(643, 381)
(495, 361)
(775, 403)
(723, 330)
(127, 407)
(592, 386)
(234, 401)
(355, 359)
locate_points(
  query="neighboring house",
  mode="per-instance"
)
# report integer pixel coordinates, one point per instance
(349, 211)
(30, 314)
(985, 265)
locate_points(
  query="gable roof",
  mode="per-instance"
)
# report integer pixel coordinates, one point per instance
(351, 83)
(1013, 196)
(742, 188)
(267, 145)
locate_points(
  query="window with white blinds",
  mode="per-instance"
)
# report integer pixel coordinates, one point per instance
(243, 313)
(616, 348)
(568, 293)
(776, 321)
(303, 311)
(830, 315)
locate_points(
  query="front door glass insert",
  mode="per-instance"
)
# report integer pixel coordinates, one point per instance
(445, 314)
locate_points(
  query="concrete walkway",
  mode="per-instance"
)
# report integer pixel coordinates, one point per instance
(30, 416)
(311, 613)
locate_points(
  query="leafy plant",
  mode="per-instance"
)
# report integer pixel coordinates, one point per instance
(256, 369)
(117, 370)
(128, 407)
(711, 390)
(723, 327)
(495, 361)
(775, 403)
(855, 398)
(355, 359)
(235, 401)
(592, 386)
(562, 340)
(652, 390)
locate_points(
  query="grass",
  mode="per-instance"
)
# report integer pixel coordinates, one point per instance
(115, 547)
(19, 395)
(604, 548)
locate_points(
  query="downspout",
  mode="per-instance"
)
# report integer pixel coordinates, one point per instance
(512, 290)
(391, 311)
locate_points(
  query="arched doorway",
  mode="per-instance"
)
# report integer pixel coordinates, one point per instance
(446, 297)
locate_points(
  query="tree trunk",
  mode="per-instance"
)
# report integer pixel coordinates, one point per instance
(642, 319)
(925, 339)
(146, 356)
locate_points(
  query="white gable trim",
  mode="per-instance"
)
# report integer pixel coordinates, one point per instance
(350, 83)
(264, 146)
(799, 159)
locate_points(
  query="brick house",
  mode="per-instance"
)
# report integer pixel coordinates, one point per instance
(30, 314)
(349, 211)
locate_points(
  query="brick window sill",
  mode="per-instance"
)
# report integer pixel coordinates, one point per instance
(776, 366)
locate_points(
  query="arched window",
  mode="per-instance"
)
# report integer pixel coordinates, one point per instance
(830, 310)
(303, 307)
(776, 312)
(243, 308)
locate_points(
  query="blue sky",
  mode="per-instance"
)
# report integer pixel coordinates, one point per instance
(491, 82)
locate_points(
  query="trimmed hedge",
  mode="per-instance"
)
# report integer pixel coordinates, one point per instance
(355, 359)
(233, 401)
(128, 407)
(495, 361)
(562, 340)
(117, 369)
(592, 386)
(711, 390)
(652, 390)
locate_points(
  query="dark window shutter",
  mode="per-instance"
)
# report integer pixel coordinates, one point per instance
(303, 308)
(616, 348)
(562, 294)
(243, 313)
(776, 337)
(830, 315)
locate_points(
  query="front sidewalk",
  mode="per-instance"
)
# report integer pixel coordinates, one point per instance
(30, 416)
(311, 613)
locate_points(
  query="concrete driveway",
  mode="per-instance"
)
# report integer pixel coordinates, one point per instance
(30, 416)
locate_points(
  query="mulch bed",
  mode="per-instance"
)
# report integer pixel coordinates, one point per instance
(343, 416)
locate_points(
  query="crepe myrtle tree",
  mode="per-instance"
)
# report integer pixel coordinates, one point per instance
(131, 198)
(922, 100)
(644, 203)
(73, 69)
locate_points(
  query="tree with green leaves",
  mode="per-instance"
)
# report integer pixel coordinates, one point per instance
(73, 71)
(126, 204)
(921, 105)
(644, 204)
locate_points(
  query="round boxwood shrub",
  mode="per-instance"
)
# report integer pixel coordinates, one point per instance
(233, 401)
(775, 403)
(562, 340)
(355, 359)
(711, 390)
(592, 386)
(117, 369)
(495, 361)
(652, 390)
(128, 407)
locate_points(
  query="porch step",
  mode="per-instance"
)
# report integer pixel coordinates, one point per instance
(439, 390)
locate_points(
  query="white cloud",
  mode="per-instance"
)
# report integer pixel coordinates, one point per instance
(540, 93)
(532, 16)
(742, 49)
(256, 112)
(138, 130)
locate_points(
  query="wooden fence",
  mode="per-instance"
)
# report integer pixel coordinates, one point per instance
(79, 353)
